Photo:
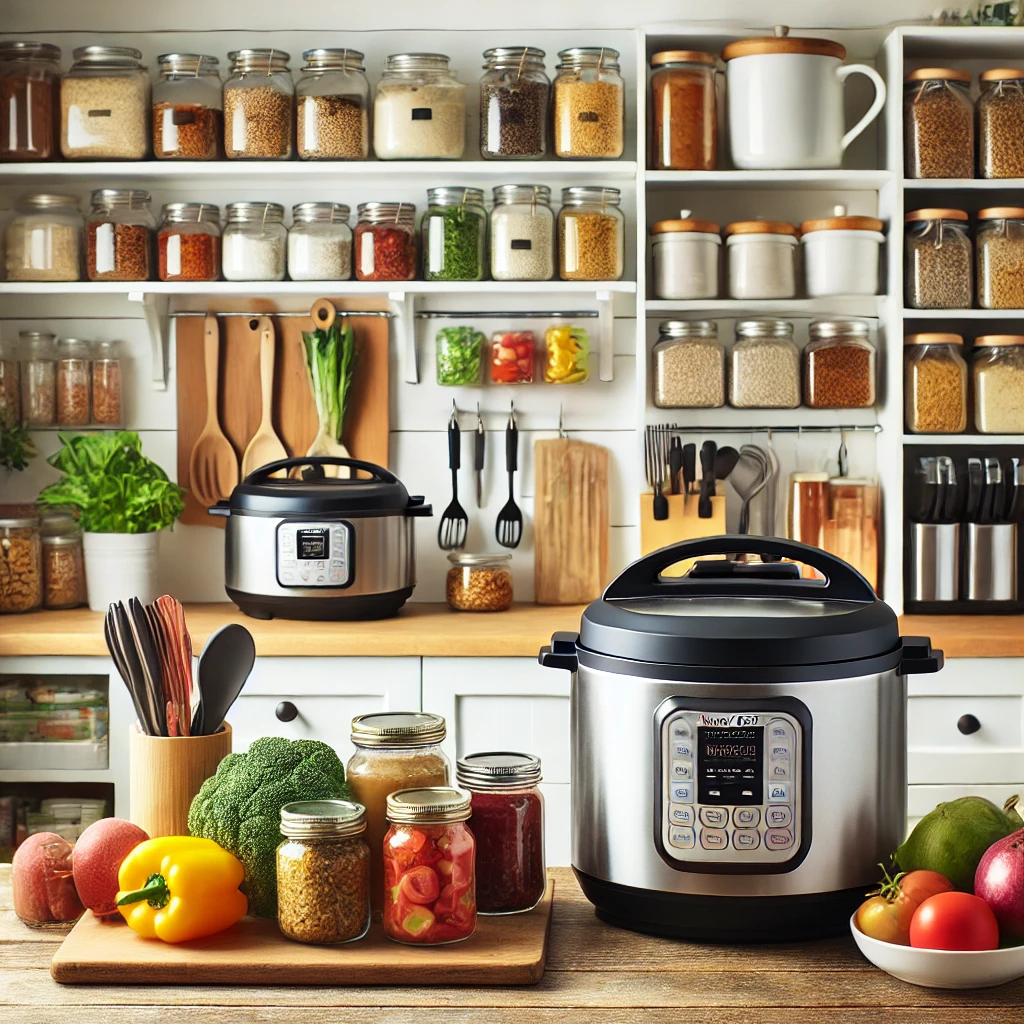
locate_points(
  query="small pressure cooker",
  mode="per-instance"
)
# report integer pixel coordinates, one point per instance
(320, 547)
(738, 741)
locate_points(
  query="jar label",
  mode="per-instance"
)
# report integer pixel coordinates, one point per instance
(366, 257)
(99, 113)
(238, 129)
(435, 248)
(422, 114)
(105, 262)
(37, 249)
(169, 137)
(173, 255)
(521, 243)
(589, 115)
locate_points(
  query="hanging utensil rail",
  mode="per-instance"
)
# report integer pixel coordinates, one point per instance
(491, 314)
(675, 428)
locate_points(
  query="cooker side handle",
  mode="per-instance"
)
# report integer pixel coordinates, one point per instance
(918, 658)
(222, 508)
(561, 653)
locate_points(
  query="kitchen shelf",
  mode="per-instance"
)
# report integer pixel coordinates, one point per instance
(832, 305)
(978, 440)
(831, 180)
(953, 184)
(963, 314)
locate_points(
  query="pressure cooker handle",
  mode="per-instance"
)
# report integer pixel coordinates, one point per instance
(643, 578)
(378, 472)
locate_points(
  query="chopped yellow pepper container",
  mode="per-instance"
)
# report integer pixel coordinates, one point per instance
(179, 888)
(566, 355)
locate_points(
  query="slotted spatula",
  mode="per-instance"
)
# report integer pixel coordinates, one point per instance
(509, 528)
(451, 531)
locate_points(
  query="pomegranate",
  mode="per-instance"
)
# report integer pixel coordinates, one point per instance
(999, 881)
(97, 859)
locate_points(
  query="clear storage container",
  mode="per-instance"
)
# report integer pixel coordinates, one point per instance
(74, 383)
(459, 356)
(188, 242)
(764, 366)
(935, 384)
(591, 234)
(1000, 110)
(839, 365)
(999, 246)
(107, 410)
(522, 233)
(939, 260)
(259, 106)
(762, 259)
(29, 100)
(38, 378)
(566, 355)
(119, 235)
(254, 242)
(938, 123)
(10, 383)
(513, 354)
(454, 235)
(688, 365)
(685, 254)
(385, 242)
(589, 104)
(44, 240)
(188, 108)
(21, 564)
(479, 583)
(333, 106)
(105, 105)
(514, 98)
(685, 110)
(63, 564)
(320, 243)
(998, 371)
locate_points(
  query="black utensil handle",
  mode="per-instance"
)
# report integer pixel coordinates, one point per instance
(660, 506)
(705, 510)
(479, 446)
(511, 448)
(264, 472)
(454, 446)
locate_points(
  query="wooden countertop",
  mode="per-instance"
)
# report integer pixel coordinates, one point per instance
(594, 972)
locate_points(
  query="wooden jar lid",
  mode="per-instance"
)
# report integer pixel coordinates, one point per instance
(1001, 213)
(663, 227)
(683, 57)
(941, 74)
(760, 227)
(1001, 74)
(936, 214)
(998, 339)
(933, 339)
(850, 223)
(783, 44)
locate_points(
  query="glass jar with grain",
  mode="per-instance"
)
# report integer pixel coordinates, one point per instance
(38, 378)
(454, 230)
(686, 255)
(938, 124)
(839, 365)
(685, 127)
(21, 564)
(589, 104)
(63, 564)
(514, 94)
(188, 108)
(74, 382)
(939, 260)
(384, 242)
(29, 100)
(591, 234)
(10, 383)
(259, 106)
(479, 583)
(44, 240)
(188, 242)
(254, 242)
(119, 235)
(323, 872)
(332, 106)
(935, 384)
(320, 242)
(999, 248)
(106, 384)
(764, 366)
(762, 259)
(1001, 123)
(998, 373)
(688, 365)
(522, 233)
(394, 750)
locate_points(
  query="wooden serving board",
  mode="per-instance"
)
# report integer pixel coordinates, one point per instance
(366, 421)
(503, 951)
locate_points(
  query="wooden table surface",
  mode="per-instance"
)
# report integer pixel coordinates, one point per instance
(594, 973)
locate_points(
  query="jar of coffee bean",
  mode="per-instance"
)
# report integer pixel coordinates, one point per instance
(939, 260)
(938, 124)
(514, 95)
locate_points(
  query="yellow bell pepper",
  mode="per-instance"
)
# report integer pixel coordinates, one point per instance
(179, 888)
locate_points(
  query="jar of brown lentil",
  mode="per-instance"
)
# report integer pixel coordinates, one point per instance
(333, 106)
(21, 566)
(38, 378)
(999, 245)
(839, 365)
(685, 131)
(323, 872)
(589, 104)
(935, 384)
(63, 565)
(259, 106)
(479, 583)
(118, 235)
(188, 242)
(591, 234)
(106, 384)
(1001, 123)
(938, 124)
(939, 260)
(29, 100)
(188, 116)
(74, 382)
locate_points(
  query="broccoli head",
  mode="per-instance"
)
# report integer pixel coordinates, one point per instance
(240, 806)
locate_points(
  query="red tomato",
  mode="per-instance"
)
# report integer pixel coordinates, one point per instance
(954, 920)
(403, 846)
(392, 873)
(420, 885)
(448, 900)
(447, 933)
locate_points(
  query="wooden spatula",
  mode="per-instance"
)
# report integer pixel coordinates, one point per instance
(265, 445)
(213, 465)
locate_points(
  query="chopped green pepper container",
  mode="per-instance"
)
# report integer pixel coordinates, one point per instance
(460, 356)
(454, 235)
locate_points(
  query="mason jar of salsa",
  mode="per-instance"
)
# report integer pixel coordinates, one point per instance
(508, 823)
(429, 867)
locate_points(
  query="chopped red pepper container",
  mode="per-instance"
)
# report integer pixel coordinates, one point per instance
(385, 242)
(512, 357)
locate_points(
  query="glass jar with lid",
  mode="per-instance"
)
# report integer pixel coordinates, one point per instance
(935, 384)
(589, 104)
(479, 583)
(119, 235)
(688, 365)
(320, 242)
(63, 564)
(512, 357)
(764, 366)
(106, 384)
(839, 365)
(508, 825)
(998, 372)
(566, 354)
(21, 564)
(38, 378)
(514, 96)
(762, 259)
(522, 233)
(428, 826)
(394, 750)
(254, 242)
(188, 108)
(385, 242)
(459, 355)
(188, 242)
(419, 110)
(44, 240)
(1000, 110)
(10, 383)
(591, 234)
(685, 129)
(259, 106)
(454, 235)
(323, 872)
(333, 106)
(105, 105)
(685, 254)
(939, 260)
(74, 382)
(999, 248)
(29, 100)
(938, 123)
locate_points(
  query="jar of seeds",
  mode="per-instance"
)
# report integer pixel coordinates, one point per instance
(839, 366)
(939, 260)
(29, 100)
(688, 365)
(106, 384)
(254, 242)
(259, 106)
(74, 382)
(479, 583)
(188, 114)
(454, 233)
(935, 384)
(44, 240)
(938, 124)
(63, 564)
(188, 242)
(119, 235)
(591, 234)
(10, 384)
(333, 106)
(323, 872)
(21, 565)
(999, 243)
(320, 243)
(764, 366)
(38, 378)
(522, 234)
(1001, 123)
(589, 104)
(514, 94)
(998, 371)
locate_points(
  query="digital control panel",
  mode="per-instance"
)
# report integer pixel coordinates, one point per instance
(731, 787)
(314, 554)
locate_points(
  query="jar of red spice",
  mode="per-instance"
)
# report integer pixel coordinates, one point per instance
(385, 242)
(685, 129)
(118, 235)
(29, 100)
(839, 366)
(508, 824)
(188, 243)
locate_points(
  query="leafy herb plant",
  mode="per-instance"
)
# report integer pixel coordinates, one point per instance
(16, 447)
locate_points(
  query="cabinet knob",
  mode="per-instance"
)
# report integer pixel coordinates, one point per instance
(286, 711)
(968, 724)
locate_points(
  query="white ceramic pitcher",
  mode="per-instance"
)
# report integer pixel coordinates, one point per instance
(785, 100)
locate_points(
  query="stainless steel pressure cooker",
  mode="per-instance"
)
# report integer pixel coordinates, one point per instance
(320, 547)
(738, 742)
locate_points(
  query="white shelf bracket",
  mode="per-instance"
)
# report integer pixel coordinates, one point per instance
(154, 308)
(605, 335)
(403, 310)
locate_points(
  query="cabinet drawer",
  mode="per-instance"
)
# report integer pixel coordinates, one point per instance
(922, 799)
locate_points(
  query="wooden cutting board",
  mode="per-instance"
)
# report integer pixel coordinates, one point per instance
(509, 950)
(683, 523)
(366, 421)
(571, 521)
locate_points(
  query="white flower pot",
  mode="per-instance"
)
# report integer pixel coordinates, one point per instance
(119, 566)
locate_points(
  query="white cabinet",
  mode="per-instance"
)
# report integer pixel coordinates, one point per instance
(922, 799)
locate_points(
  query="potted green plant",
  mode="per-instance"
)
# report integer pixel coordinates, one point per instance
(125, 501)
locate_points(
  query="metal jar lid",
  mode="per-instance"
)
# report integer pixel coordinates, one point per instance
(589, 56)
(514, 57)
(61, 540)
(462, 560)
(498, 770)
(73, 348)
(187, 64)
(113, 56)
(49, 201)
(22, 522)
(36, 337)
(322, 819)
(455, 195)
(106, 198)
(764, 328)
(265, 59)
(596, 194)
(688, 329)
(190, 213)
(20, 49)
(435, 805)
(838, 329)
(382, 213)
(416, 62)
(398, 729)
(539, 194)
(333, 59)
(250, 212)
(326, 213)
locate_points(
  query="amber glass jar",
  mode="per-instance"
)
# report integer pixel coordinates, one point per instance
(29, 101)
(685, 128)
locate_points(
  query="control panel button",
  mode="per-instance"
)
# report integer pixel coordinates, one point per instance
(778, 839)
(681, 838)
(714, 817)
(778, 817)
(682, 770)
(746, 817)
(681, 792)
(778, 791)
(680, 814)
(682, 748)
(778, 771)
(714, 838)
(746, 839)
(680, 729)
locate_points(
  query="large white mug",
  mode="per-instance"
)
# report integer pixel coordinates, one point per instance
(785, 100)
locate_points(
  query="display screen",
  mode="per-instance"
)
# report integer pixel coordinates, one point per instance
(312, 544)
(730, 764)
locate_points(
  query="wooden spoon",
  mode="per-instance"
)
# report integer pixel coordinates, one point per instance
(323, 315)
(265, 445)
(213, 465)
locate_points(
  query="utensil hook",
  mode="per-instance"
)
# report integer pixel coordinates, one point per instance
(512, 413)
(844, 455)
(454, 418)
(561, 422)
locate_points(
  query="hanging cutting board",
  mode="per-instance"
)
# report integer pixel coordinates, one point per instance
(683, 523)
(571, 521)
(294, 417)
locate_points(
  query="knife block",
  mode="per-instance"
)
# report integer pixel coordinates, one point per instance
(165, 773)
